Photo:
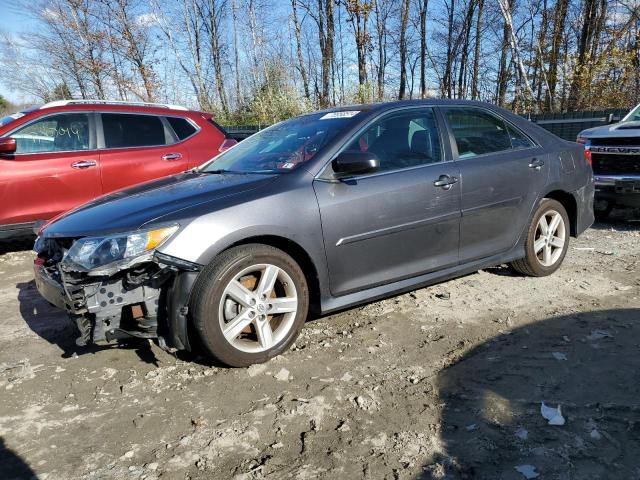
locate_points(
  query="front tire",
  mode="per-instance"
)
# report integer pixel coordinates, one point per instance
(249, 304)
(547, 240)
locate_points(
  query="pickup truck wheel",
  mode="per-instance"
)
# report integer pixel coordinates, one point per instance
(547, 240)
(602, 209)
(249, 304)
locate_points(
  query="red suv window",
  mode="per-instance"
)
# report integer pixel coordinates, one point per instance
(128, 130)
(182, 127)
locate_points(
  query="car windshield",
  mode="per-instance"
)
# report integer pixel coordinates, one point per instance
(284, 146)
(633, 116)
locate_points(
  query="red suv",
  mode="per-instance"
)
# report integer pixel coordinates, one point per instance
(68, 152)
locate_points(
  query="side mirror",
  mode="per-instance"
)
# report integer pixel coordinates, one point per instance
(7, 145)
(353, 163)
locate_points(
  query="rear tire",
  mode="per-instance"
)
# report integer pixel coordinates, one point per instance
(249, 304)
(547, 240)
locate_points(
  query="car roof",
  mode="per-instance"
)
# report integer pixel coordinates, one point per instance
(381, 106)
(114, 106)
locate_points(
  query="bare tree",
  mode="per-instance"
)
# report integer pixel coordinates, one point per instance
(358, 12)
(424, 4)
(404, 20)
(301, 63)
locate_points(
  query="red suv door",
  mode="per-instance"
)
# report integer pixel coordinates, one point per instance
(55, 167)
(136, 148)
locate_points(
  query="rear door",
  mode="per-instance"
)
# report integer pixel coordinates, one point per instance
(394, 223)
(502, 173)
(55, 168)
(136, 148)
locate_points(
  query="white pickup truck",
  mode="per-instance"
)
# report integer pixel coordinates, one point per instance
(615, 156)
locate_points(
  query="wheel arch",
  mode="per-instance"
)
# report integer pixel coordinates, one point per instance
(568, 201)
(299, 254)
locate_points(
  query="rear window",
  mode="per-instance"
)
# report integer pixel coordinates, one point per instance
(182, 127)
(477, 132)
(126, 130)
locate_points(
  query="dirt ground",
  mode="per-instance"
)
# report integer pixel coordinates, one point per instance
(444, 382)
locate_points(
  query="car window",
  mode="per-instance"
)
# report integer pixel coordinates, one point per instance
(126, 130)
(182, 127)
(518, 139)
(55, 133)
(402, 140)
(477, 132)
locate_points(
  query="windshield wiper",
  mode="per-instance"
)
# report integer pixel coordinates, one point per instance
(218, 171)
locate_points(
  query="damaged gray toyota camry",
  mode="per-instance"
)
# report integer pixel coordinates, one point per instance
(317, 213)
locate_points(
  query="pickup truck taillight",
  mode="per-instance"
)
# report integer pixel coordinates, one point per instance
(587, 152)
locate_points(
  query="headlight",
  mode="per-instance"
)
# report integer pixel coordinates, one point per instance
(93, 252)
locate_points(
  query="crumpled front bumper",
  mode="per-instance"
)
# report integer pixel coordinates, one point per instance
(109, 308)
(52, 290)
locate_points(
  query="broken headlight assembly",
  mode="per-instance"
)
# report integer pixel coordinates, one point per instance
(91, 253)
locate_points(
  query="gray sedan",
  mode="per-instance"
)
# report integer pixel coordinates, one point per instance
(321, 212)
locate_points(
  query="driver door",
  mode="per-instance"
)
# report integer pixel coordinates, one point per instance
(394, 223)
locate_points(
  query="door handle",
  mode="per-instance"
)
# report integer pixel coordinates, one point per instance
(172, 156)
(536, 163)
(83, 164)
(445, 182)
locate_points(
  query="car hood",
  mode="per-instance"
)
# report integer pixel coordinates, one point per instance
(626, 129)
(133, 208)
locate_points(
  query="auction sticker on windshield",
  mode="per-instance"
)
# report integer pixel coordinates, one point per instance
(344, 114)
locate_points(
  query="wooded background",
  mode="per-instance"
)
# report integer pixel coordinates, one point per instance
(260, 61)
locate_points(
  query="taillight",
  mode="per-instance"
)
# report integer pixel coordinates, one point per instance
(587, 149)
(227, 144)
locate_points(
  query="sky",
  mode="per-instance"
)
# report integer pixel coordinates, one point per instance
(14, 22)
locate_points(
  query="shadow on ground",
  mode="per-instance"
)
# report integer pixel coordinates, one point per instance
(16, 245)
(491, 422)
(12, 466)
(622, 219)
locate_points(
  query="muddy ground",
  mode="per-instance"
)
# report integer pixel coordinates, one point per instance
(443, 382)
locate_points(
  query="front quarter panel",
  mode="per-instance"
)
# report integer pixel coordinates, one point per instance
(289, 210)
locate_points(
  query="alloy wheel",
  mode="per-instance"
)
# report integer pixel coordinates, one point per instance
(258, 308)
(550, 238)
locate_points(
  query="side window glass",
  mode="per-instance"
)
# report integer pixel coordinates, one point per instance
(182, 127)
(477, 132)
(518, 139)
(402, 140)
(56, 133)
(126, 130)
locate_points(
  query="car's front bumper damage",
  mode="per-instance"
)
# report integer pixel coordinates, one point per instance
(144, 300)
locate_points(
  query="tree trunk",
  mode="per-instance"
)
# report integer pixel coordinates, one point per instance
(476, 55)
(404, 18)
(462, 71)
(559, 19)
(505, 8)
(301, 66)
(447, 77)
(423, 48)
(236, 56)
(381, 31)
